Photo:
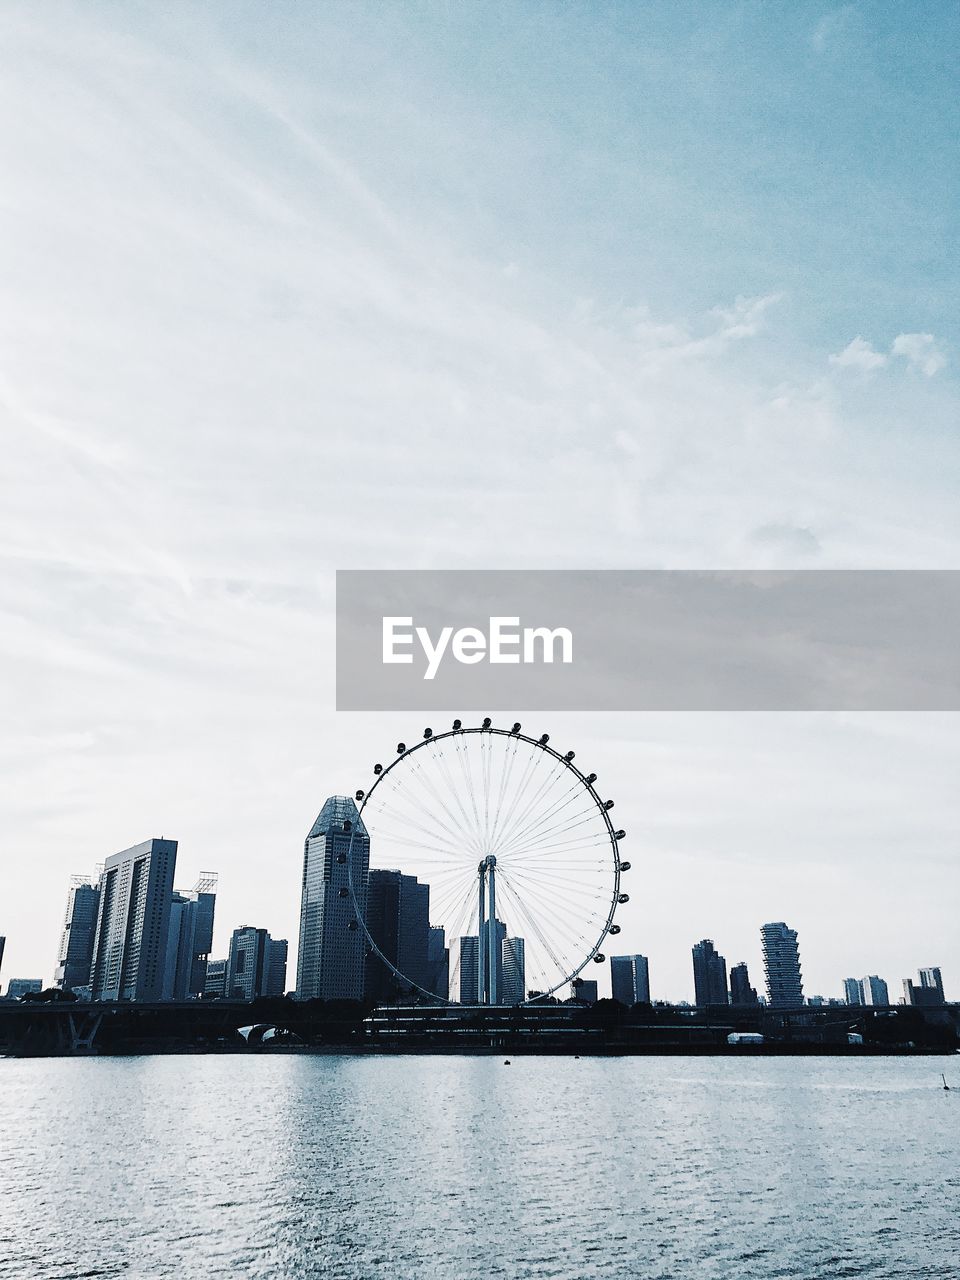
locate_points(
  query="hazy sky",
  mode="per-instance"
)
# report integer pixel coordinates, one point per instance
(295, 287)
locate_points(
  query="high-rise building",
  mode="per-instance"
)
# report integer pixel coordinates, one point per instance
(3, 943)
(709, 975)
(781, 963)
(398, 918)
(190, 939)
(514, 971)
(630, 979)
(256, 964)
(75, 956)
(874, 990)
(741, 991)
(585, 990)
(133, 921)
(852, 991)
(438, 959)
(511, 973)
(18, 987)
(928, 992)
(931, 979)
(216, 979)
(330, 960)
(469, 970)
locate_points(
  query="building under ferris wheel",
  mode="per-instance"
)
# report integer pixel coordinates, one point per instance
(502, 840)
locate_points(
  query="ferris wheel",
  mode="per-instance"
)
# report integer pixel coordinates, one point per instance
(520, 854)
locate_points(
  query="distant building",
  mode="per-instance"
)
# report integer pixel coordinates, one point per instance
(852, 991)
(256, 964)
(928, 992)
(510, 956)
(741, 992)
(215, 983)
(3, 943)
(18, 987)
(75, 957)
(469, 970)
(585, 990)
(190, 939)
(514, 971)
(630, 979)
(398, 918)
(133, 921)
(330, 960)
(781, 963)
(874, 990)
(709, 975)
(931, 979)
(438, 961)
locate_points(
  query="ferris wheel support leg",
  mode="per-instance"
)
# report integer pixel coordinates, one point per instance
(492, 934)
(481, 943)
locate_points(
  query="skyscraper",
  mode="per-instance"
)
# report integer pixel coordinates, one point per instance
(133, 920)
(398, 917)
(469, 970)
(741, 991)
(190, 939)
(438, 959)
(216, 980)
(874, 990)
(630, 979)
(709, 975)
(332, 944)
(3, 943)
(585, 990)
(256, 964)
(781, 963)
(75, 956)
(514, 971)
(511, 972)
(931, 979)
(852, 991)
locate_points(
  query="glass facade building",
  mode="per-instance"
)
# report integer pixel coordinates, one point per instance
(330, 960)
(133, 922)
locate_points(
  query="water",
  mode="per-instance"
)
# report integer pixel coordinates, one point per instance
(463, 1168)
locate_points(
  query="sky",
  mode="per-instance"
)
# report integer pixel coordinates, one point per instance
(295, 288)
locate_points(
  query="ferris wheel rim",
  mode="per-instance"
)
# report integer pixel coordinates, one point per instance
(567, 760)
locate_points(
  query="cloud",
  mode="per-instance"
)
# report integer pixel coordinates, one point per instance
(921, 350)
(859, 354)
(831, 26)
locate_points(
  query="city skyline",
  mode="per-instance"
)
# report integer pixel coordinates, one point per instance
(130, 899)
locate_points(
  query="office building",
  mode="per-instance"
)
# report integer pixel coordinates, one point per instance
(852, 991)
(398, 918)
(190, 939)
(18, 987)
(630, 979)
(931, 979)
(438, 963)
(874, 990)
(741, 992)
(256, 964)
(709, 975)
(330, 961)
(781, 963)
(3, 943)
(584, 990)
(513, 953)
(928, 992)
(75, 956)
(469, 970)
(133, 921)
(215, 983)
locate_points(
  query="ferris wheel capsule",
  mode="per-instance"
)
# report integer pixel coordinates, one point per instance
(599, 958)
(624, 866)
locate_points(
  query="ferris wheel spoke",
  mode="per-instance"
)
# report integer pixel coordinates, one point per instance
(540, 820)
(455, 827)
(562, 963)
(534, 799)
(509, 759)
